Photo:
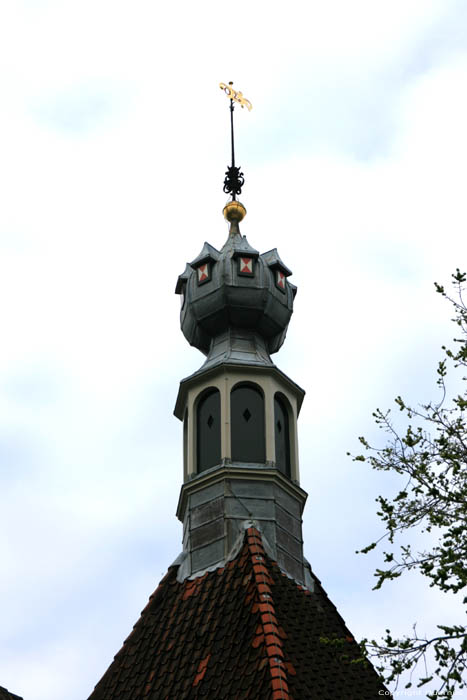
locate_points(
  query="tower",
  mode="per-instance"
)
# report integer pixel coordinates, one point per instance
(239, 411)
(240, 614)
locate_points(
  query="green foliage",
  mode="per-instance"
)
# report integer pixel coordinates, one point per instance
(344, 649)
(431, 456)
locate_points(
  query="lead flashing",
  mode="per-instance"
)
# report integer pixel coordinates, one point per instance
(201, 376)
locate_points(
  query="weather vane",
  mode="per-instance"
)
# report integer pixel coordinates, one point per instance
(234, 179)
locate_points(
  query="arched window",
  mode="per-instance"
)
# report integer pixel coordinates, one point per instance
(185, 440)
(282, 435)
(208, 433)
(247, 421)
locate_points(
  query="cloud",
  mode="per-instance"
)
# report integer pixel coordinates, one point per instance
(81, 108)
(114, 141)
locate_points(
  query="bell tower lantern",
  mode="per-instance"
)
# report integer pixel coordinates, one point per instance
(239, 411)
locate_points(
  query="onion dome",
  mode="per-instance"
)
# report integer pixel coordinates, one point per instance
(233, 289)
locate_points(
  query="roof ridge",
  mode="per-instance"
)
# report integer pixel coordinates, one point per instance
(321, 590)
(159, 591)
(154, 599)
(7, 695)
(268, 631)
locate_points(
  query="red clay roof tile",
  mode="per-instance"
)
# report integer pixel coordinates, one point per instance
(217, 636)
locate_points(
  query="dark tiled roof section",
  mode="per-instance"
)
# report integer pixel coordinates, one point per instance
(245, 631)
(320, 652)
(5, 695)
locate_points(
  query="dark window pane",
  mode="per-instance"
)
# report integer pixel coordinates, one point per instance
(281, 432)
(208, 434)
(185, 439)
(247, 421)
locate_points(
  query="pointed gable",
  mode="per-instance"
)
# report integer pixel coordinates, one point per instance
(242, 631)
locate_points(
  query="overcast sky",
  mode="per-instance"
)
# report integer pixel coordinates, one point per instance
(113, 146)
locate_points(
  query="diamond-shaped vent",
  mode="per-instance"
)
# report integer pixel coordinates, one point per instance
(279, 426)
(210, 421)
(246, 414)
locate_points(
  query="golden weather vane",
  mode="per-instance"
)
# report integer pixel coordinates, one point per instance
(235, 95)
(234, 179)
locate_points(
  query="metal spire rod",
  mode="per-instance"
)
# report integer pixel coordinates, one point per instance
(234, 179)
(232, 131)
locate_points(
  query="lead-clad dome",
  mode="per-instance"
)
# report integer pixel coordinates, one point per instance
(235, 288)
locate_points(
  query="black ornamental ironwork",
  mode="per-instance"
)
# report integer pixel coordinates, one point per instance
(234, 178)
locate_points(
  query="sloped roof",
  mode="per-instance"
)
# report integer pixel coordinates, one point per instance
(6, 695)
(242, 631)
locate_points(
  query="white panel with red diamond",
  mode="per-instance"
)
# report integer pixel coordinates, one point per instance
(245, 266)
(203, 273)
(280, 280)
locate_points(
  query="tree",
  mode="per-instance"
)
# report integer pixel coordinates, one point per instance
(431, 456)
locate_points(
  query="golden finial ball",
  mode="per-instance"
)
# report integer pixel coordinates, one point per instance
(234, 211)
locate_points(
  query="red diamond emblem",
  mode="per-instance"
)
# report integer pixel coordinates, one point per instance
(203, 272)
(280, 279)
(246, 265)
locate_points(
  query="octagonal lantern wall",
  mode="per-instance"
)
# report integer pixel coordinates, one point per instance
(242, 416)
